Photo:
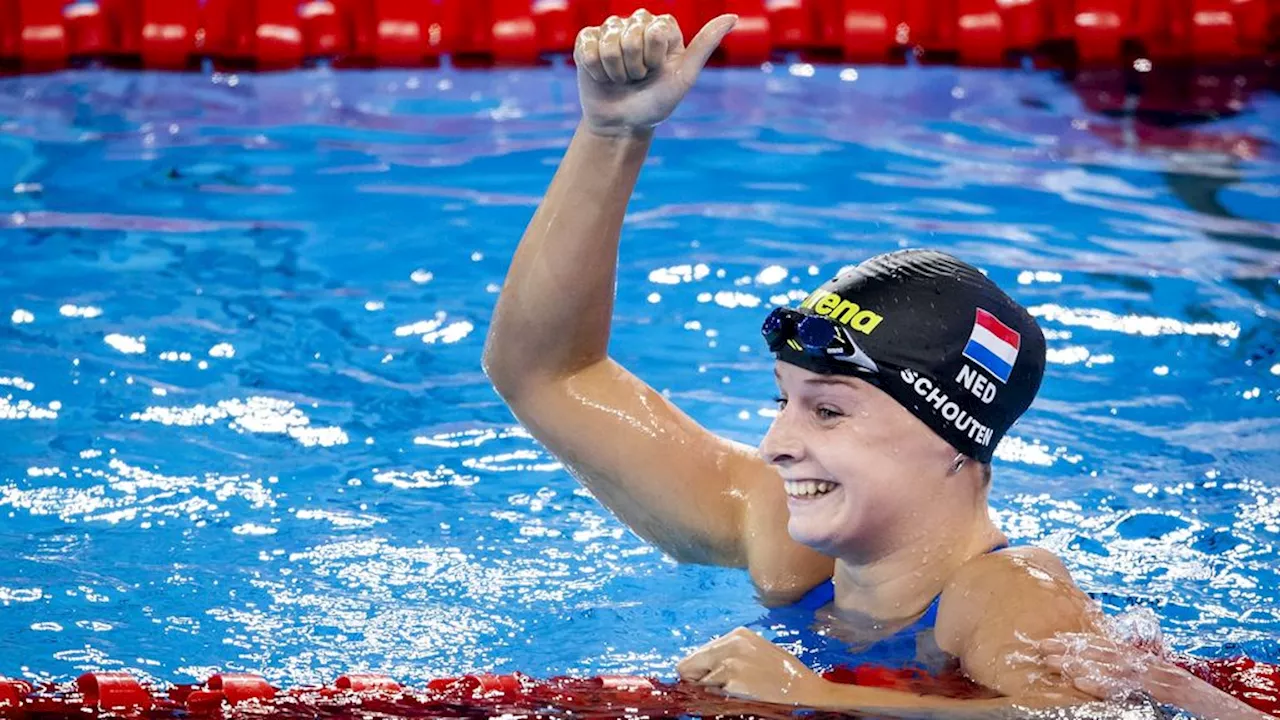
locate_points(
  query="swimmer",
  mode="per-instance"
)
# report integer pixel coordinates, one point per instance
(864, 510)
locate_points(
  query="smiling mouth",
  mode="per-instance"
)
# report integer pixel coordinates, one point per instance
(807, 489)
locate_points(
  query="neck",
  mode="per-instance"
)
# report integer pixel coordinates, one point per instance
(901, 583)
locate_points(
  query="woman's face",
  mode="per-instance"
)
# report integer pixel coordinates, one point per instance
(860, 471)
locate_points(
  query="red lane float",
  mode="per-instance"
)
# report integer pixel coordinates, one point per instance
(501, 32)
(112, 691)
(360, 695)
(86, 29)
(390, 33)
(367, 683)
(253, 33)
(13, 692)
(980, 32)
(33, 33)
(153, 33)
(557, 23)
(275, 34)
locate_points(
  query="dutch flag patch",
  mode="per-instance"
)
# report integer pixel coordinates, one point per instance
(993, 345)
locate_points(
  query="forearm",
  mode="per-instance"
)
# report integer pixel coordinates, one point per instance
(839, 696)
(1204, 700)
(554, 312)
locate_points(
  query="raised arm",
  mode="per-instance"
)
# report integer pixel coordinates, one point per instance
(696, 496)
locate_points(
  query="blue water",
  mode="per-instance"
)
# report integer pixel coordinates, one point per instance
(244, 424)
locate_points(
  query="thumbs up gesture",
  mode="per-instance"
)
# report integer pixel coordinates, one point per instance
(633, 72)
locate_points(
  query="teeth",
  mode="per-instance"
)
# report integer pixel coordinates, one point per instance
(808, 488)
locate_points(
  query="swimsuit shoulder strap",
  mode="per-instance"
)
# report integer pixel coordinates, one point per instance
(930, 616)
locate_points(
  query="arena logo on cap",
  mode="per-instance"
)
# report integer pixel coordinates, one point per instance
(993, 345)
(828, 304)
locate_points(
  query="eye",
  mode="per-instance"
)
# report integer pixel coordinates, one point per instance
(826, 412)
(780, 401)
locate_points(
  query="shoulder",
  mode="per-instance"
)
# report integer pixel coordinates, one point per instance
(1023, 590)
(1021, 567)
(997, 605)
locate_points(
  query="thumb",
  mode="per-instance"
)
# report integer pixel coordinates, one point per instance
(706, 42)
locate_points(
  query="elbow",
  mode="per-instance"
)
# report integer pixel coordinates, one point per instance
(502, 374)
(510, 373)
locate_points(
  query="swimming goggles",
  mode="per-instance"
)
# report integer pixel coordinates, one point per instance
(815, 336)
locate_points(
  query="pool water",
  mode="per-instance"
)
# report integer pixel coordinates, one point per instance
(245, 427)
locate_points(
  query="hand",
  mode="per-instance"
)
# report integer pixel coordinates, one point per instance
(1109, 670)
(633, 73)
(743, 664)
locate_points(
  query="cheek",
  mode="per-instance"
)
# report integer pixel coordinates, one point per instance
(900, 440)
(857, 455)
(874, 461)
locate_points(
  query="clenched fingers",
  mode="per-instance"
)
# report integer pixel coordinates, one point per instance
(707, 658)
(586, 53)
(633, 49)
(661, 38)
(611, 51)
(720, 675)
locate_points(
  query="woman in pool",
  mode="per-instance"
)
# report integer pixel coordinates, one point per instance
(866, 504)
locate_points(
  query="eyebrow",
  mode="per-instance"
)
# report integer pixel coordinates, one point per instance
(820, 380)
(828, 381)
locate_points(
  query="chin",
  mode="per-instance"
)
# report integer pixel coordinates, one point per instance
(828, 540)
(825, 524)
(813, 542)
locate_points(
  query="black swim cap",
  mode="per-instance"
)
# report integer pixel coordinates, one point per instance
(929, 330)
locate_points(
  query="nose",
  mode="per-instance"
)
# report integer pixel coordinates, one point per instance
(781, 446)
